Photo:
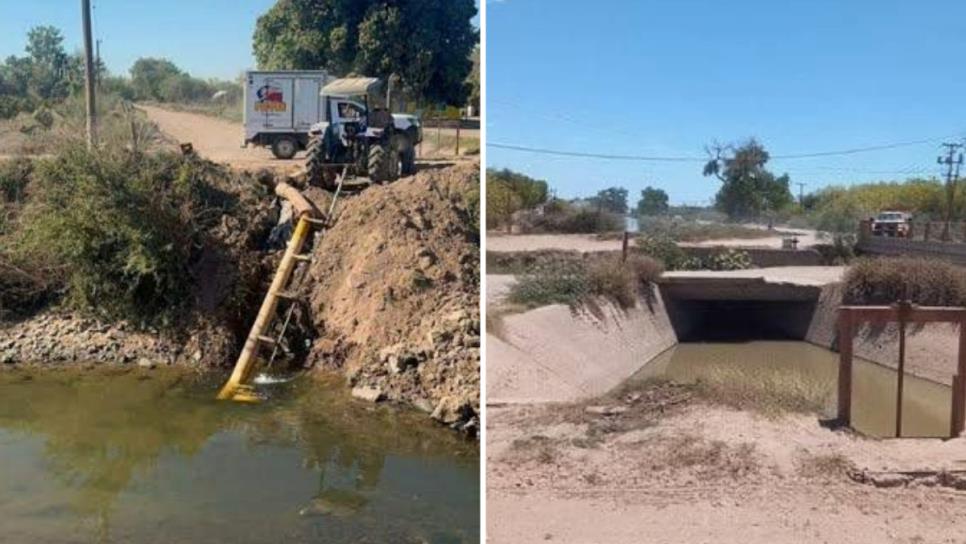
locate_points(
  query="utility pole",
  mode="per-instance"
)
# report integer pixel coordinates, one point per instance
(97, 62)
(952, 162)
(89, 75)
(801, 194)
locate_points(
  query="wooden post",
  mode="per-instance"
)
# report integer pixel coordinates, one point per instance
(902, 312)
(458, 138)
(928, 228)
(845, 366)
(90, 90)
(957, 420)
(624, 246)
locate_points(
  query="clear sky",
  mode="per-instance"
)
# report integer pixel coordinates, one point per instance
(207, 38)
(666, 78)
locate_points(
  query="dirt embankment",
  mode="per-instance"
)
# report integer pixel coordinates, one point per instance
(394, 290)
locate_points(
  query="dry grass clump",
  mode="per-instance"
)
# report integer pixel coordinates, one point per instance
(825, 465)
(708, 459)
(923, 281)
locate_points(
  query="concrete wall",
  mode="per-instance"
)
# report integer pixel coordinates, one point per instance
(552, 354)
(931, 349)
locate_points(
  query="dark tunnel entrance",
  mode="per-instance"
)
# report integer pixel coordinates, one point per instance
(735, 311)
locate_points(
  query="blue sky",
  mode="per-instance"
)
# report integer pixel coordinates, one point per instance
(207, 38)
(667, 78)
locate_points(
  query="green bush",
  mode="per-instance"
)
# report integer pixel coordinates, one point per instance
(887, 280)
(662, 247)
(559, 283)
(119, 230)
(729, 259)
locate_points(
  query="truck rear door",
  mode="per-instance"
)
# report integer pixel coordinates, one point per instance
(307, 103)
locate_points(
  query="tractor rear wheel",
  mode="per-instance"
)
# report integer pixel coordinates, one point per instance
(405, 153)
(379, 165)
(314, 159)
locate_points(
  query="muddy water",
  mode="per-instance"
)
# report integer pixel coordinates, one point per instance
(150, 457)
(810, 373)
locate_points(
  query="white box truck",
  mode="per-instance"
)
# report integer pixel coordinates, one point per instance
(281, 107)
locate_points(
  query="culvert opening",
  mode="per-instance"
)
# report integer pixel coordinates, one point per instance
(740, 320)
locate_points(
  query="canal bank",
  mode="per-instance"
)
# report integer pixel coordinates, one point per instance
(575, 354)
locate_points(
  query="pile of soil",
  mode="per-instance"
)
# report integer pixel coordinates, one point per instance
(394, 294)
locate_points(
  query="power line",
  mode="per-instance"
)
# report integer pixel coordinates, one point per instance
(606, 156)
(652, 158)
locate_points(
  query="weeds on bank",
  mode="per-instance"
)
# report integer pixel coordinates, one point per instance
(923, 281)
(116, 233)
(577, 282)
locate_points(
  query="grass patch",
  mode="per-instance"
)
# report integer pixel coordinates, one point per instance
(923, 281)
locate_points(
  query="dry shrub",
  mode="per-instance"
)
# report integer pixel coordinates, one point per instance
(576, 282)
(710, 459)
(623, 282)
(923, 281)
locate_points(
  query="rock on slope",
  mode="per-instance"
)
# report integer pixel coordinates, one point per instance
(394, 291)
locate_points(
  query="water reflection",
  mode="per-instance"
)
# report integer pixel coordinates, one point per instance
(151, 458)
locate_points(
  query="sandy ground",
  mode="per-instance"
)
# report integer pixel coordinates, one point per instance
(589, 242)
(221, 140)
(534, 242)
(805, 238)
(702, 473)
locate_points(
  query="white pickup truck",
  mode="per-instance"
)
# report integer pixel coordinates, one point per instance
(282, 106)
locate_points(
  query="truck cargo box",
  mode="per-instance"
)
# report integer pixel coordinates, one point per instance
(281, 106)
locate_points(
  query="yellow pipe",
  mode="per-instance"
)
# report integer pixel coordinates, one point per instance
(247, 358)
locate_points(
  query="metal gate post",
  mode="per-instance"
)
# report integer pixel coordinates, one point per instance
(845, 367)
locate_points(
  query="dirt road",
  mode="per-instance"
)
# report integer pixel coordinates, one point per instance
(221, 140)
(708, 474)
(216, 139)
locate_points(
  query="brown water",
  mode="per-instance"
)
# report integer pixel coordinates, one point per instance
(150, 457)
(810, 373)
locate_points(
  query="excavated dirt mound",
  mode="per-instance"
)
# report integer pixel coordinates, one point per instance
(394, 291)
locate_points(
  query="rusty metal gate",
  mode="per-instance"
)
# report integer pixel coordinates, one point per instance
(903, 313)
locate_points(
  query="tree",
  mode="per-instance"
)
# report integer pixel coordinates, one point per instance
(501, 203)
(531, 192)
(148, 76)
(426, 42)
(653, 202)
(612, 199)
(747, 188)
